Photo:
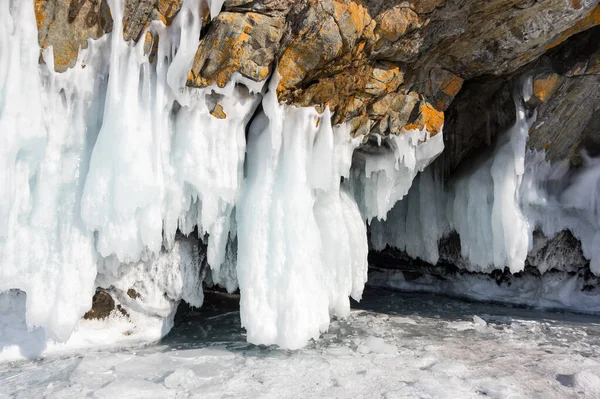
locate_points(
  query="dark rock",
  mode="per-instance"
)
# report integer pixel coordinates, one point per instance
(102, 306)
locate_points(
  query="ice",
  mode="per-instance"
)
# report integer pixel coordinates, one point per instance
(377, 345)
(160, 282)
(301, 240)
(106, 161)
(111, 165)
(382, 175)
(416, 223)
(519, 352)
(496, 205)
(111, 168)
(548, 291)
(45, 250)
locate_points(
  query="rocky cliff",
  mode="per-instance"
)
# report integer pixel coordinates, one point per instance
(385, 66)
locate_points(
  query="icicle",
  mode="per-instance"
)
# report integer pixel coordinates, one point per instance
(302, 243)
(389, 170)
(108, 159)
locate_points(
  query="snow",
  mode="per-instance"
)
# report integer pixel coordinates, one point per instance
(520, 354)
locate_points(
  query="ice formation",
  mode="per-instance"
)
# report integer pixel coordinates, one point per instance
(383, 174)
(298, 229)
(496, 206)
(110, 167)
(107, 161)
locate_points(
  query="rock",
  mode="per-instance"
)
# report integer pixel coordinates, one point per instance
(66, 25)
(562, 252)
(499, 36)
(245, 43)
(102, 306)
(568, 99)
(386, 66)
(218, 112)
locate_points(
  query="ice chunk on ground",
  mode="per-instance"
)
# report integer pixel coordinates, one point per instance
(377, 345)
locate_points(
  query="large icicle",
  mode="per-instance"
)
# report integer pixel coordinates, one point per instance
(302, 242)
(45, 250)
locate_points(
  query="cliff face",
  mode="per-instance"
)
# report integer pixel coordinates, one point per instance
(384, 66)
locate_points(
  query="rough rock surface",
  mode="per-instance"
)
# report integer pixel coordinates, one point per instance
(66, 25)
(565, 95)
(567, 88)
(384, 66)
(102, 306)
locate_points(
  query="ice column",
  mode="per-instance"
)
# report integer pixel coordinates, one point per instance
(301, 239)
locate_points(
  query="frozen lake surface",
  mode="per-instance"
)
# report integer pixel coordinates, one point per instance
(393, 345)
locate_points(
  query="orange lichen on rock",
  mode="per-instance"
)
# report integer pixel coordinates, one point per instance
(428, 118)
(40, 12)
(168, 9)
(394, 23)
(218, 112)
(236, 42)
(544, 87)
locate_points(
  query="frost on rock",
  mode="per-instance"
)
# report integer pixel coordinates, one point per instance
(496, 206)
(156, 285)
(302, 246)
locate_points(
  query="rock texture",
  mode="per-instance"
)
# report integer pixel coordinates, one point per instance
(384, 66)
(66, 25)
(103, 305)
(567, 93)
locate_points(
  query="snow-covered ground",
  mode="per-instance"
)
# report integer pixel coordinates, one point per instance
(393, 345)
